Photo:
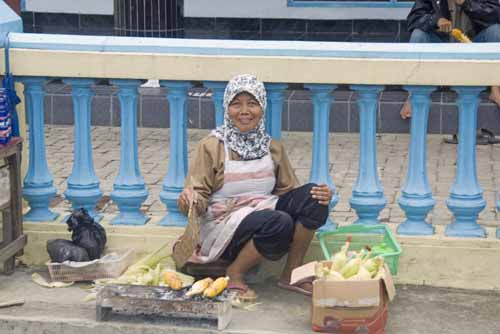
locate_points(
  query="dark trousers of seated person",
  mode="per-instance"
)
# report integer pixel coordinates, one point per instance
(272, 230)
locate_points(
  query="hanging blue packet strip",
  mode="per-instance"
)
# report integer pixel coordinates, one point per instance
(5, 118)
(12, 100)
(10, 92)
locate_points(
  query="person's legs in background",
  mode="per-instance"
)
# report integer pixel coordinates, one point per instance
(418, 36)
(490, 35)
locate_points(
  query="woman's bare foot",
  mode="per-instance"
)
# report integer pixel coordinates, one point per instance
(246, 259)
(495, 95)
(235, 278)
(406, 110)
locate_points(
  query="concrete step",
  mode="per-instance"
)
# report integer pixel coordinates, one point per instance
(415, 310)
(468, 263)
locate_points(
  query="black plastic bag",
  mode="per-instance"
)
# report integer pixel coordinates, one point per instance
(61, 250)
(87, 233)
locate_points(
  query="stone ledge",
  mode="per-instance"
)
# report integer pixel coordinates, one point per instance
(435, 260)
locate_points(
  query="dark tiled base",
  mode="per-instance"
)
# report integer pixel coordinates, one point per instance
(297, 110)
(231, 28)
(86, 24)
(293, 29)
(58, 23)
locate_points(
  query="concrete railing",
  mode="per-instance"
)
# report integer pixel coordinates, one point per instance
(79, 60)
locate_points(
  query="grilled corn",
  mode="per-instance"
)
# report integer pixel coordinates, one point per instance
(198, 287)
(171, 279)
(216, 287)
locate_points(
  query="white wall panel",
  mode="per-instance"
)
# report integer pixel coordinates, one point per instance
(102, 7)
(279, 9)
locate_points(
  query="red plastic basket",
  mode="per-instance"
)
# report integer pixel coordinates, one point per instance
(372, 325)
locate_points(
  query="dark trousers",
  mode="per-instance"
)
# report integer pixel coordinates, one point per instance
(272, 230)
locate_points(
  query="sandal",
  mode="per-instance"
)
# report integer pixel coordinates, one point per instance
(296, 287)
(489, 135)
(481, 139)
(242, 292)
(452, 140)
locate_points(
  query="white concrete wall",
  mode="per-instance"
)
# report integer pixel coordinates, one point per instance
(268, 69)
(228, 8)
(102, 7)
(279, 9)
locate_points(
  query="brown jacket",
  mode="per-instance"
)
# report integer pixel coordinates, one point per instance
(206, 172)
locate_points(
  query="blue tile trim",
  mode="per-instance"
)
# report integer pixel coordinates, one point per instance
(479, 51)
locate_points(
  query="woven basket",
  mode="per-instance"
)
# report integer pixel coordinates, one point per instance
(186, 244)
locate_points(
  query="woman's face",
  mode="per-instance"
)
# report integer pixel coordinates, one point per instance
(245, 112)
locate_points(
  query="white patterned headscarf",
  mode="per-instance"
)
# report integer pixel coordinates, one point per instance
(255, 143)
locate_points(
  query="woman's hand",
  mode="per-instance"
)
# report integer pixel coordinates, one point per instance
(444, 25)
(322, 193)
(187, 196)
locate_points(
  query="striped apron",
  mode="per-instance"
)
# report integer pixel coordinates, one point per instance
(247, 188)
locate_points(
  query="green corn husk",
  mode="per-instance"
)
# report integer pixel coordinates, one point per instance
(150, 260)
(147, 271)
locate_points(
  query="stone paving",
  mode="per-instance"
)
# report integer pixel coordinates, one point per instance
(415, 310)
(392, 162)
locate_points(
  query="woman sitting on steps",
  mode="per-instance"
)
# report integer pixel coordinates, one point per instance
(247, 195)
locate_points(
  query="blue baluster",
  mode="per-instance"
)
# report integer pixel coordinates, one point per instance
(177, 165)
(322, 100)
(416, 197)
(274, 109)
(466, 197)
(83, 185)
(38, 187)
(217, 89)
(129, 191)
(367, 194)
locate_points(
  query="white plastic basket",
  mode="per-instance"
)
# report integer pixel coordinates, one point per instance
(92, 270)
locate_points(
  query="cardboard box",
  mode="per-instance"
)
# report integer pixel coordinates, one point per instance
(347, 306)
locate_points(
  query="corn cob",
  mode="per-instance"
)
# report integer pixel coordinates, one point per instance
(352, 267)
(171, 279)
(362, 275)
(378, 272)
(368, 263)
(333, 275)
(216, 287)
(319, 270)
(460, 36)
(339, 259)
(198, 287)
